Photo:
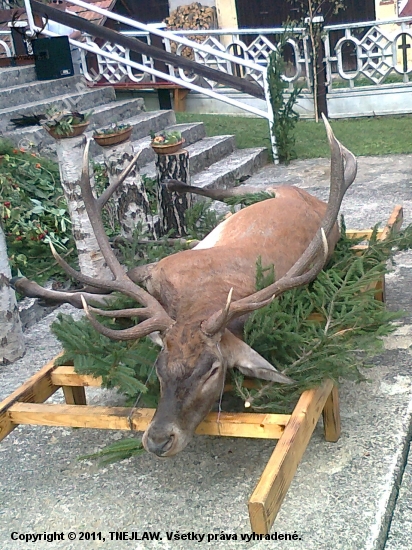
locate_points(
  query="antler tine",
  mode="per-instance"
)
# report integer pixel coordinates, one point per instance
(121, 313)
(153, 324)
(265, 296)
(341, 176)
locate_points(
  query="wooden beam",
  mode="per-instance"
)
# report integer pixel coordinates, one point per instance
(36, 389)
(331, 416)
(266, 426)
(66, 376)
(266, 500)
(141, 47)
(394, 223)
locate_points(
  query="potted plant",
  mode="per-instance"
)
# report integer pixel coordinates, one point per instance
(165, 143)
(113, 134)
(65, 124)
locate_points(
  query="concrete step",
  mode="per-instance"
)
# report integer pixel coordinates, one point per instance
(14, 76)
(191, 132)
(116, 111)
(227, 172)
(85, 101)
(202, 154)
(35, 91)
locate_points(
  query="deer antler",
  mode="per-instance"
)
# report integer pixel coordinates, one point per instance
(156, 316)
(342, 176)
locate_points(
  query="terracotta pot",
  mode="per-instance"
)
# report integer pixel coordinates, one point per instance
(167, 149)
(105, 140)
(77, 130)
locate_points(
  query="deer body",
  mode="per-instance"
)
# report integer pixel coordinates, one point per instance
(194, 283)
(197, 300)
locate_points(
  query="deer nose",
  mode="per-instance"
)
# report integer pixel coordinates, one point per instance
(159, 444)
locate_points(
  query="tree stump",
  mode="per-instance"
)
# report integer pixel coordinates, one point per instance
(11, 333)
(130, 199)
(70, 156)
(171, 205)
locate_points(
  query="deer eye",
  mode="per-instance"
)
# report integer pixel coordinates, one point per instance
(214, 371)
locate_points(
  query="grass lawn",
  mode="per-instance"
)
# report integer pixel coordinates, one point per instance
(363, 136)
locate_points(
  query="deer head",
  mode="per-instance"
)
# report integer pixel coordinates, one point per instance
(197, 328)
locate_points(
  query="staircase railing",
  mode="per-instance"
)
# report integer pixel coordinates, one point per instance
(256, 71)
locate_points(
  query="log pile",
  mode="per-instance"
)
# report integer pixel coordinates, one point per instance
(191, 17)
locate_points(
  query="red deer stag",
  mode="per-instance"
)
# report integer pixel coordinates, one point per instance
(196, 298)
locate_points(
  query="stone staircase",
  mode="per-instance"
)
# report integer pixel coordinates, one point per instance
(214, 161)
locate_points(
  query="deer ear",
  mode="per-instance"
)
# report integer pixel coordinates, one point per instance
(248, 361)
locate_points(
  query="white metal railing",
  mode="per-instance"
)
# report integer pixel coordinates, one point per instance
(369, 53)
(358, 54)
(118, 54)
(6, 47)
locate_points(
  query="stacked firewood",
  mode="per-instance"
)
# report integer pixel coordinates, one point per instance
(191, 17)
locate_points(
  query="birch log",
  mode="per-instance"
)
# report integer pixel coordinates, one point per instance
(171, 205)
(70, 156)
(11, 333)
(130, 200)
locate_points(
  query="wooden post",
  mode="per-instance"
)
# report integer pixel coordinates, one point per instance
(74, 395)
(172, 206)
(131, 202)
(331, 416)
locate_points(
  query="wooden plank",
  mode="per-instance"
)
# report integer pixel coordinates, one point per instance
(66, 376)
(394, 223)
(36, 389)
(331, 417)
(266, 499)
(266, 426)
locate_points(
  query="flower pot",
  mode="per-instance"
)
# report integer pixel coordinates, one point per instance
(167, 149)
(77, 130)
(105, 140)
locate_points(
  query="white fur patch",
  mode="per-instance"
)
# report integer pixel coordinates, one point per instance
(213, 238)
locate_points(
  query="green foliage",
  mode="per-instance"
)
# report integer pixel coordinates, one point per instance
(383, 135)
(114, 128)
(33, 213)
(62, 121)
(284, 115)
(127, 366)
(120, 450)
(165, 138)
(249, 198)
(347, 330)
(200, 220)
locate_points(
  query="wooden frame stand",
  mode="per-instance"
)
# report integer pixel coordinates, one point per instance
(27, 406)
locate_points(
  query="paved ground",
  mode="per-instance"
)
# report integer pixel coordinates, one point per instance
(344, 496)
